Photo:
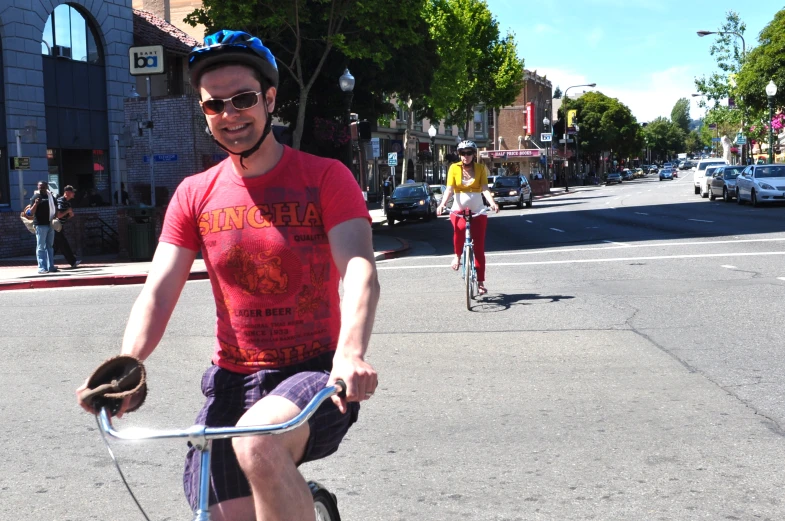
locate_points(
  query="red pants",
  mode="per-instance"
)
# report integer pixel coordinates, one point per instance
(479, 225)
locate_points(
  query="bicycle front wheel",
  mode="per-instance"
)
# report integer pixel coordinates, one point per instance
(468, 256)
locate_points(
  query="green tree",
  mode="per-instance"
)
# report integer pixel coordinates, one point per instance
(765, 63)
(557, 93)
(664, 137)
(693, 142)
(302, 34)
(605, 124)
(477, 65)
(728, 54)
(680, 115)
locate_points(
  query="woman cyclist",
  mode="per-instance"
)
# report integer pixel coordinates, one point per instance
(469, 180)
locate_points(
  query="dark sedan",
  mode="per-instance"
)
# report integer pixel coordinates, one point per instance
(613, 177)
(411, 201)
(666, 173)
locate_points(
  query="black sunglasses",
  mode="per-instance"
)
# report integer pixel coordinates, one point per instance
(466, 152)
(242, 101)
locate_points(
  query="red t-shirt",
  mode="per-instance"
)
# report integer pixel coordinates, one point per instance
(264, 243)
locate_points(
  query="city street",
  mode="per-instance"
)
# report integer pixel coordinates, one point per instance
(626, 364)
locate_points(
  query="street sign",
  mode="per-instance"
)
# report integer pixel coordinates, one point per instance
(20, 163)
(715, 140)
(713, 126)
(392, 159)
(546, 137)
(376, 146)
(146, 60)
(161, 158)
(741, 140)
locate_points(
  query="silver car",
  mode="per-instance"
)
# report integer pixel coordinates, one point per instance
(761, 184)
(723, 183)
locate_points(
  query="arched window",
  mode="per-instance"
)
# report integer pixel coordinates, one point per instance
(68, 34)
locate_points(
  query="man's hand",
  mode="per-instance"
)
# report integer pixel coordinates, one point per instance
(361, 380)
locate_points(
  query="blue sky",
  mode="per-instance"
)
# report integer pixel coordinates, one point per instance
(646, 53)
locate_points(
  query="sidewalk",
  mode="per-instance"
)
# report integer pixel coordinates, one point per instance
(21, 272)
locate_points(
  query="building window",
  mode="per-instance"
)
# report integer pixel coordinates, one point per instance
(86, 170)
(417, 122)
(490, 118)
(479, 123)
(67, 34)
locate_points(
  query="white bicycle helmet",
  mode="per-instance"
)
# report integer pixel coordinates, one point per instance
(463, 145)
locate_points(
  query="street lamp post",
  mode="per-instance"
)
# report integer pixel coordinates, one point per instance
(432, 134)
(346, 82)
(578, 165)
(545, 123)
(771, 91)
(743, 59)
(564, 113)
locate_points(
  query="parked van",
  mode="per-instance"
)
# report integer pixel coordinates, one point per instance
(700, 171)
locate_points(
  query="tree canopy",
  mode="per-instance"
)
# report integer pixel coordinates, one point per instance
(765, 63)
(680, 115)
(477, 65)
(664, 137)
(307, 35)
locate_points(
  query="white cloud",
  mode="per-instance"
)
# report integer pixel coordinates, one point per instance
(595, 36)
(648, 96)
(544, 29)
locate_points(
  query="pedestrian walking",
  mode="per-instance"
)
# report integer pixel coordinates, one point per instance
(42, 210)
(387, 189)
(64, 213)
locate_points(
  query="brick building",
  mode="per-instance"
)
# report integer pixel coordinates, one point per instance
(516, 129)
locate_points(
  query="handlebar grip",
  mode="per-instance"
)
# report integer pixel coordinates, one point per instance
(340, 383)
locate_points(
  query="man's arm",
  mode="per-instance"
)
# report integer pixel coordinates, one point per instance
(352, 250)
(150, 314)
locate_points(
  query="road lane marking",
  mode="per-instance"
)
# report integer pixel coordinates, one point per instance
(606, 248)
(619, 243)
(641, 213)
(728, 266)
(557, 230)
(530, 222)
(700, 221)
(780, 278)
(596, 261)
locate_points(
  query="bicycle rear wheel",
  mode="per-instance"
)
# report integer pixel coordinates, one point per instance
(468, 256)
(324, 503)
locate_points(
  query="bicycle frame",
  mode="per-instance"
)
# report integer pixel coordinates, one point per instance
(201, 436)
(467, 259)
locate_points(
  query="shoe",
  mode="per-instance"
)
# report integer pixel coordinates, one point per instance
(482, 290)
(41, 272)
(75, 264)
(55, 270)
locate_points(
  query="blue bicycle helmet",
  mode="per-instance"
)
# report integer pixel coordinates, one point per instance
(232, 47)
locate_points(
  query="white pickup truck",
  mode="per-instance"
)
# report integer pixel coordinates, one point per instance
(699, 178)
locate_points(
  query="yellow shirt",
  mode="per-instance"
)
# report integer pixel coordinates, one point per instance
(455, 178)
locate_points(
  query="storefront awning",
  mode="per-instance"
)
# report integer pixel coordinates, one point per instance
(504, 154)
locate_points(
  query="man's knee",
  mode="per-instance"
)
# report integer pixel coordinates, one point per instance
(267, 454)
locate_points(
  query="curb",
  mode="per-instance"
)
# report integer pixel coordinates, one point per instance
(391, 254)
(99, 280)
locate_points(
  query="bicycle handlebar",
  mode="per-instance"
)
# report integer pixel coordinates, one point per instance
(462, 214)
(199, 434)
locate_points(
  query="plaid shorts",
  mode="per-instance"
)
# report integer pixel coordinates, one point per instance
(230, 395)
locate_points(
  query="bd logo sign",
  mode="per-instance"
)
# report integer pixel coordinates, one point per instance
(146, 60)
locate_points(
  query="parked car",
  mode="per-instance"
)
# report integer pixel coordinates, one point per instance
(653, 169)
(613, 177)
(723, 183)
(666, 173)
(700, 171)
(512, 190)
(438, 192)
(411, 201)
(761, 184)
(638, 173)
(626, 174)
(705, 180)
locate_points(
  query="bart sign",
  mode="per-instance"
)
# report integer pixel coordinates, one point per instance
(146, 60)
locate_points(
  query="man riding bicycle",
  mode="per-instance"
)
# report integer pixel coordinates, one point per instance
(278, 229)
(469, 180)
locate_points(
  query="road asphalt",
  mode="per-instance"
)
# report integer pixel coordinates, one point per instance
(21, 272)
